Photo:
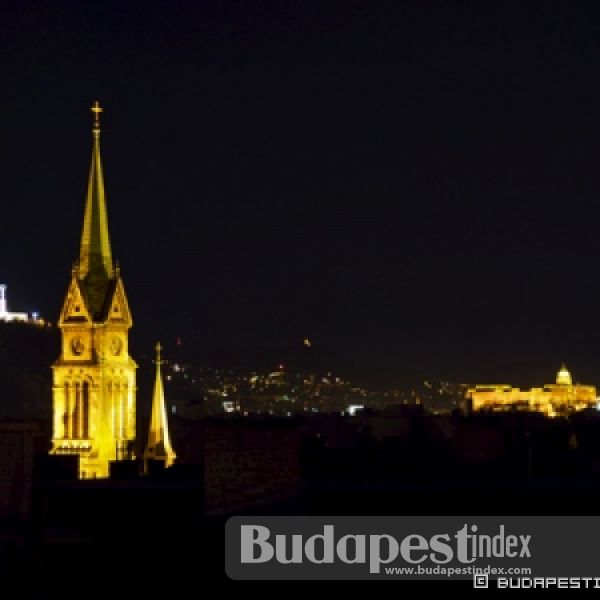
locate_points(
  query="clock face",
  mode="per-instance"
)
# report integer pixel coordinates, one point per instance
(77, 346)
(115, 345)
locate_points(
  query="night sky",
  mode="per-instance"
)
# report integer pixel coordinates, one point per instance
(413, 184)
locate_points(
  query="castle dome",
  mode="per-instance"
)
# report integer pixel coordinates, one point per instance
(563, 377)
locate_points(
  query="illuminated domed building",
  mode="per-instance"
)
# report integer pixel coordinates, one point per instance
(563, 377)
(554, 399)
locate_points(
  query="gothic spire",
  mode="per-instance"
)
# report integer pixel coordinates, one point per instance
(95, 256)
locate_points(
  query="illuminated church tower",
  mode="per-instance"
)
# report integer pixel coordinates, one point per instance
(159, 442)
(94, 378)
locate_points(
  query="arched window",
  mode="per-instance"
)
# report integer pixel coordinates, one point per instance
(67, 413)
(76, 431)
(85, 409)
(124, 415)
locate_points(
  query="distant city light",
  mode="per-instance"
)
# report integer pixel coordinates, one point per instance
(353, 408)
(229, 406)
(307, 342)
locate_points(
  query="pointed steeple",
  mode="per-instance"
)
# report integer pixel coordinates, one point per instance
(95, 256)
(159, 443)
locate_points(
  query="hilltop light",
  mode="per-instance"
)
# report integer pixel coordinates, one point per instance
(5, 314)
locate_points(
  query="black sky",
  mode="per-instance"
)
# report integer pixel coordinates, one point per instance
(415, 184)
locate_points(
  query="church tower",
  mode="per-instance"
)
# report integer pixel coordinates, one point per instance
(94, 378)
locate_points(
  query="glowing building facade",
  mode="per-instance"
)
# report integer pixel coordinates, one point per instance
(94, 386)
(553, 399)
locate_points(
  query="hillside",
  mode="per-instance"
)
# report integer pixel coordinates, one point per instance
(26, 354)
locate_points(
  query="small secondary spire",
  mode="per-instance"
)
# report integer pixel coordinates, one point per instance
(159, 442)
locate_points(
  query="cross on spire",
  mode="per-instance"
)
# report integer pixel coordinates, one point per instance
(158, 355)
(96, 110)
